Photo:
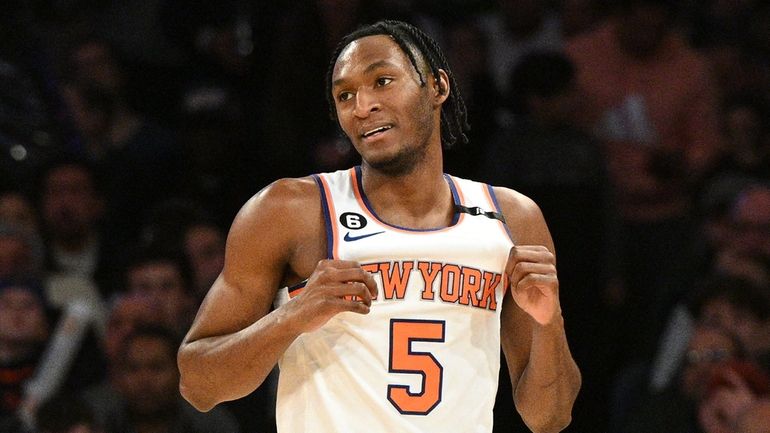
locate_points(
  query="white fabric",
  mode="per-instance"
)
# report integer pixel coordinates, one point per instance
(337, 378)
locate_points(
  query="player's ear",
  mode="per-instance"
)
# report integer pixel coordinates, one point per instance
(441, 87)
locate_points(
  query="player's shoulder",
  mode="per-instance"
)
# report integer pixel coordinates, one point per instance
(287, 202)
(515, 200)
(284, 194)
(522, 214)
(510, 201)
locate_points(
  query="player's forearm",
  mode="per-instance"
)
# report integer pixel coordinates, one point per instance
(549, 384)
(227, 367)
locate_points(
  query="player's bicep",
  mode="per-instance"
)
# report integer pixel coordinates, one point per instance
(228, 309)
(527, 227)
(258, 248)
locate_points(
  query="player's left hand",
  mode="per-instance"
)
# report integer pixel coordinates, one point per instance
(531, 271)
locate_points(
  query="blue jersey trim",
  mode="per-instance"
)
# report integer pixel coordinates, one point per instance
(497, 209)
(327, 218)
(455, 198)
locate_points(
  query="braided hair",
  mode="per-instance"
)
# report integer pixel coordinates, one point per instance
(454, 115)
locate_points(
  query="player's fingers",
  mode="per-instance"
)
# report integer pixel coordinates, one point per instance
(341, 305)
(332, 271)
(531, 253)
(540, 281)
(356, 290)
(371, 284)
(338, 264)
(522, 269)
(356, 274)
(350, 274)
(528, 253)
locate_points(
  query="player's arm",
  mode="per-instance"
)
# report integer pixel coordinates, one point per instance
(544, 376)
(234, 343)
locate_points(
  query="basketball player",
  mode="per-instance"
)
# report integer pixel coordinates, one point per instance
(400, 283)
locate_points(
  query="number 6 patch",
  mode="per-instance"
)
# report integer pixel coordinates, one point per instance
(352, 220)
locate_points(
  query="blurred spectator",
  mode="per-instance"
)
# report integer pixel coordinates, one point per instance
(220, 38)
(750, 219)
(71, 360)
(16, 208)
(65, 413)
(580, 16)
(21, 252)
(219, 151)
(72, 209)
(747, 137)
(144, 392)
(165, 280)
(221, 102)
(741, 307)
(755, 418)
(738, 68)
(652, 100)
(183, 228)
(24, 330)
(733, 388)
(738, 230)
(186, 228)
(737, 305)
(733, 34)
(141, 160)
(747, 140)
(467, 50)
(151, 62)
(514, 28)
(562, 169)
(204, 246)
(734, 212)
(675, 409)
(127, 313)
(551, 154)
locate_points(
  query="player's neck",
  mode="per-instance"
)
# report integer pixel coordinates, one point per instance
(420, 199)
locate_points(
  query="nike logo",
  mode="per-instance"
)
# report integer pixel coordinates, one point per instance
(349, 238)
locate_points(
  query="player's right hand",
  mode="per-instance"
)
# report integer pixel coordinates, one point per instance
(335, 286)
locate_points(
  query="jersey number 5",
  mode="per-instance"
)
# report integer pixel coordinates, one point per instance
(404, 360)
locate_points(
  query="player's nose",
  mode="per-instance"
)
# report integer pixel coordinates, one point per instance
(366, 103)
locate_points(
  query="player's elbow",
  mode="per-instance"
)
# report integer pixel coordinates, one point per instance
(553, 424)
(191, 386)
(197, 400)
(544, 417)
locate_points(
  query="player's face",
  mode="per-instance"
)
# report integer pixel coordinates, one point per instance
(390, 118)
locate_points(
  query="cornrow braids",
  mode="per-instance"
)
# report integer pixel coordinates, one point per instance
(454, 115)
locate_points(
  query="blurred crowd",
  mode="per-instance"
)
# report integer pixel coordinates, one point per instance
(132, 131)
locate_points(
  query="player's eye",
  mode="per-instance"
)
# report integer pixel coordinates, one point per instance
(344, 96)
(384, 81)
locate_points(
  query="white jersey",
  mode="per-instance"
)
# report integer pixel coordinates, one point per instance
(427, 356)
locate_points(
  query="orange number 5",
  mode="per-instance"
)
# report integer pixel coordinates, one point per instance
(404, 360)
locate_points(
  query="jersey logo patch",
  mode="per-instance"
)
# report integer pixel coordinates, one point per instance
(353, 221)
(349, 238)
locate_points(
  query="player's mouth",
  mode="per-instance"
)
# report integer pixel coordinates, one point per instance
(376, 132)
